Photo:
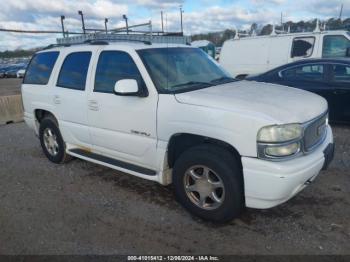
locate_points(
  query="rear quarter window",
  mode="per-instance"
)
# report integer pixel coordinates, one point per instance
(40, 68)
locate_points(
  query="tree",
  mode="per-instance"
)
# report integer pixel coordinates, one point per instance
(254, 28)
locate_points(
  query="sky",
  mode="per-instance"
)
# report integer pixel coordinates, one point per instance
(200, 16)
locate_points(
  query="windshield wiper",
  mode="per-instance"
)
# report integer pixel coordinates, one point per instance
(190, 83)
(224, 79)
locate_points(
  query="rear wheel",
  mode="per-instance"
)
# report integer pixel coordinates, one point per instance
(51, 141)
(208, 182)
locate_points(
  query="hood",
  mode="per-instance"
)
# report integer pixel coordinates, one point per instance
(276, 103)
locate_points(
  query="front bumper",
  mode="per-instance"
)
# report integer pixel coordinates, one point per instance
(268, 184)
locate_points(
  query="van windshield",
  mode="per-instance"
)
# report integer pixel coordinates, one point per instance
(182, 69)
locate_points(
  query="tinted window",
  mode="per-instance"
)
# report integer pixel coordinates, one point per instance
(113, 66)
(302, 46)
(40, 68)
(335, 46)
(74, 70)
(307, 72)
(341, 73)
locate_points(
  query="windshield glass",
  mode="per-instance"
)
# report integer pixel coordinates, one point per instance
(181, 69)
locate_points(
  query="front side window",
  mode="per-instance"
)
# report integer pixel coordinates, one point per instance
(335, 46)
(302, 46)
(40, 68)
(340, 73)
(181, 69)
(307, 72)
(74, 71)
(113, 66)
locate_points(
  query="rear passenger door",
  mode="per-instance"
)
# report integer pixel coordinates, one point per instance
(340, 84)
(122, 127)
(70, 98)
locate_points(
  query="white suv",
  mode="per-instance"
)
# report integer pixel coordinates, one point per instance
(171, 114)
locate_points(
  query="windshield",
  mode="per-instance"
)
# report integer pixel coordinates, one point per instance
(181, 69)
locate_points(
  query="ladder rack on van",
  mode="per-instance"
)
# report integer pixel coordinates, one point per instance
(127, 34)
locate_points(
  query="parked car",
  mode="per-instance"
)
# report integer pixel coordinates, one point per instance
(20, 73)
(329, 78)
(11, 73)
(171, 114)
(2, 72)
(257, 54)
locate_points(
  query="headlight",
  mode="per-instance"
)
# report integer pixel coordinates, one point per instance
(280, 151)
(280, 133)
(279, 141)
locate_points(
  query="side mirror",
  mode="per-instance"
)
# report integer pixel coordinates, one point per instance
(126, 87)
(347, 52)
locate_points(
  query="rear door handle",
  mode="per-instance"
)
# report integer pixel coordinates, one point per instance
(93, 105)
(339, 92)
(56, 99)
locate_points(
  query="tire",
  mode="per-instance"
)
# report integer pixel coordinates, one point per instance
(224, 170)
(58, 155)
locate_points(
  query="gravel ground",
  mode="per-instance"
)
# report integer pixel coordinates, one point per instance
(82, 208)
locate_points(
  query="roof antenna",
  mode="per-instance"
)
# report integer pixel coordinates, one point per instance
(317, 28)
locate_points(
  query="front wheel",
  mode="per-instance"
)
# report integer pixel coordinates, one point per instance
(208, 182)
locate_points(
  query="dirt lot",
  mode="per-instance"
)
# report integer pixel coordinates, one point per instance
(82, 208)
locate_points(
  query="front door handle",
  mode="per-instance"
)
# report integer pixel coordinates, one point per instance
(56, 99)
(93, 105)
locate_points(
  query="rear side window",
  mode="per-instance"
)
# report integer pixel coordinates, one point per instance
(40, 68)
(340, 74)
(302, 46)
(306, 72)
(74, 71)
(113, 66)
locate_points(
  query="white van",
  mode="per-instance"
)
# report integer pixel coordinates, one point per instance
(257, 54)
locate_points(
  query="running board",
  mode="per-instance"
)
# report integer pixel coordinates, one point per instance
(113, 162)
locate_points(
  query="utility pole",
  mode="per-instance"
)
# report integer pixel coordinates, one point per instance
(106, 21)
(161, 16)
(126, 24)
(282, 21)
(341, 11)
(62, 18)
(281, 18)
(181, 11)
(82, 20)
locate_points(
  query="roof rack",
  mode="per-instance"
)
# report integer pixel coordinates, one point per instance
(127, 35)
(275, 32)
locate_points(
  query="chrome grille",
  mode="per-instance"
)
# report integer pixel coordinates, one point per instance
(315, 132)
